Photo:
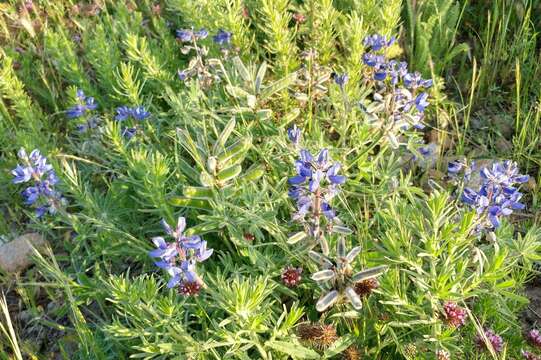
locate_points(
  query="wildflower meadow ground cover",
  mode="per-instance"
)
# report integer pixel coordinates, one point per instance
(270, 179)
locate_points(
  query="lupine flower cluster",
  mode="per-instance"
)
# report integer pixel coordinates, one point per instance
(179, 258)
(138, 113)
(190, 35)
(534, 337)
(337, 278)
(124, 113)
(497, 196)
(223, 39)
(455, 316)
(495, 340)
(84, 105)
(399, 100)
(42, 193)
(198, 67)
(317, 182)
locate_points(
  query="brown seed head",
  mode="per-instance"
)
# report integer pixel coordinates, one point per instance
(352, 353)
(319, 336)
(365, 287)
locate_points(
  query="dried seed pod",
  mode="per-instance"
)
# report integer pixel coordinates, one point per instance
(364, 288)
(351, 353)
(319, 336)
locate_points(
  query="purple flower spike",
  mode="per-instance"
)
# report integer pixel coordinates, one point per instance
(84, 104)
(497, 196)
(179, 258)
(41, 193)
(315, 184)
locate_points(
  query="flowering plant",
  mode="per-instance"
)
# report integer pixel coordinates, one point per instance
(338, 279)
(42, 194)
(497, 195)
(179, 258)
(399, 101)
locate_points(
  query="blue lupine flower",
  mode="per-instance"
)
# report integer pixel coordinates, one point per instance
(341, 79)
(42, 192)
(414, 81)
(76, 111)
(294, 134)
(129, 132)
(222, 37)
(454, 167)
(31, 194)
(332, 174)
(377, 42)
(182, 75)
(122, 113)
(163, 250)
(381, 73)
(184, 35)
(421, 102)
(504, 174)
(180, 257)
(425, 150)
(497, 196)
(202, 253)
(90, 103)
(139, 113)
(22, 174)
(316, 182)
(327, 211)
(84, 104)
(80, 95)
(373, 60)
(201, 34)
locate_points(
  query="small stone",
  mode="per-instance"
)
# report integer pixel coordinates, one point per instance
(503, 145)
(15, 256)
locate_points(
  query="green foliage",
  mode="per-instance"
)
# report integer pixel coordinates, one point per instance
(218, 155)
(432, 33)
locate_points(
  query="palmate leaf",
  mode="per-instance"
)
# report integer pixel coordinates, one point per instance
(369, 273)
(234, 151)
(190, 203)
(295, 238)
(224, 135)
(253, 173)
(327, 300)
(323, 275)
(278, 85)
(197, 192)
(242, 69)
(354, 298)
(229, 173)
(322, 260)
(260, 76)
